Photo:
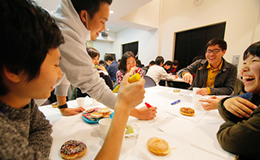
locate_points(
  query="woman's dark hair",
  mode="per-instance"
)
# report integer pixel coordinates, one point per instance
(91, 6)
(93, 52)
(122, 65)
(253, 49)
(159, 60)
(28, 33)
(221, 43)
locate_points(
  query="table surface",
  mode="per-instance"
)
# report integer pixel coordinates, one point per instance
(189, 137)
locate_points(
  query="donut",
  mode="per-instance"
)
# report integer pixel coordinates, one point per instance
(158, 146)
(176, 90)
(73, 149)
(187, 111)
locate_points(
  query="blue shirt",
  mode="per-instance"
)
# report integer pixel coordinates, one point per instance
(112, 69)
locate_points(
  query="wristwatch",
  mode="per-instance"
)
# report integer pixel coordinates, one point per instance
(63, 106)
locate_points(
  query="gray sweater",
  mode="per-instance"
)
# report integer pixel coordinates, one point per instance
(25, 133)
(75, 61)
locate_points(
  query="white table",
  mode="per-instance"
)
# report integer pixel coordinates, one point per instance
(197, 133)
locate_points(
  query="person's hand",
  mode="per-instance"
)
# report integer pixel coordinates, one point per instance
(187, 77)
(146, 113)
(210, 103)
(102, 68)
(239, 106)
(132, 70)
(202, 91)
(130, 94)
(71, 111)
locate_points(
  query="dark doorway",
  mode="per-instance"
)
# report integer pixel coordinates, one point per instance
(133, 46)
(191, 43)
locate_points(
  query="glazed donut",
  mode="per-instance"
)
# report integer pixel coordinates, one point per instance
(187, 111)
(73, 149)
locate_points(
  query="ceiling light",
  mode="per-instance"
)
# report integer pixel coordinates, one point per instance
(107, 29)
(111, 12)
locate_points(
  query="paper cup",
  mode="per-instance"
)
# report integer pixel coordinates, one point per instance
(94, 102)
(104, 125)
(81, 101)
(196, 103)
(194, 90)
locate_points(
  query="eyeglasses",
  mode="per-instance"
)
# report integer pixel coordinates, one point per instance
(215, 51)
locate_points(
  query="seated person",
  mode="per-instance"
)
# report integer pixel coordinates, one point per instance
(174, 68)
(127, 65)
(156, 72)
(29, 70)
(240, 134)
(94, 54)
(145, 68)
(112, 67)
(213, 75)
(167, 67)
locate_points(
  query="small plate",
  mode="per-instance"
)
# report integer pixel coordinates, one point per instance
(135, 131)
(94, 122)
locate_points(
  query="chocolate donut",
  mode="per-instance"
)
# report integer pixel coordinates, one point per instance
(73, 149)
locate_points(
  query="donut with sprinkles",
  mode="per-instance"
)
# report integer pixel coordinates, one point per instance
(73, 149)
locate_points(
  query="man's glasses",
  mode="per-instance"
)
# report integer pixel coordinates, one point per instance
(215, 51)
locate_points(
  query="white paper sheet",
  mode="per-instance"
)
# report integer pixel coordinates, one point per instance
(175, 110)
(180, 148)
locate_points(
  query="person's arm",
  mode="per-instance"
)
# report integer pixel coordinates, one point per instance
(129, 96)
(240, 137)
(68, 111)
(186, 73)
(79, 70)
(240, 107)
(210, 103)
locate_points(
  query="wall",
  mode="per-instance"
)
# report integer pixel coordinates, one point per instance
(148, 43)
(242, 27)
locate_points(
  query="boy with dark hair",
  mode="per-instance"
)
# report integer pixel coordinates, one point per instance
(214, 75)
(156, 72)
(112, 67)
(167, 65)
(174, 68)
(29, 69)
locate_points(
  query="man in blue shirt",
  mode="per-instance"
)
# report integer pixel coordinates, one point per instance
(112, 67)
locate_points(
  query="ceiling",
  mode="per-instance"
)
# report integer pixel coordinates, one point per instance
(122, 8)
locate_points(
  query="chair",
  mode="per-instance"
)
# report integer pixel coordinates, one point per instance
(149, 82)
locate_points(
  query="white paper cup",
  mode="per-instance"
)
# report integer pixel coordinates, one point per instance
(81, 101)
(194, 90)
(196, 103)
(104, 125)
(94, 102)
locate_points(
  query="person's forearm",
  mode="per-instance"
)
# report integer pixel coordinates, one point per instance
(134, 112)
(113, 142)
(61, 100)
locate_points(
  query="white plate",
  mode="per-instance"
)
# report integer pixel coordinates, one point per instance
(136, 131)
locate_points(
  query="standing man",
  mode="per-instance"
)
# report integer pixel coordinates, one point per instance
(213, 75)
(80, 21)
(112, 67)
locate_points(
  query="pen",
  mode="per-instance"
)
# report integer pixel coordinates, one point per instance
(147, 105)
(175, 102)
